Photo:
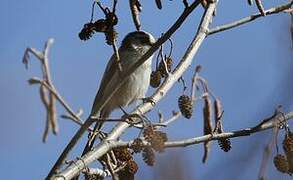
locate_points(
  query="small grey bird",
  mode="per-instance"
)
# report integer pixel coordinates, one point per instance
(133, 46)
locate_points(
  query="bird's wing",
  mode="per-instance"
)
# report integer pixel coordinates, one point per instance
(109, 73)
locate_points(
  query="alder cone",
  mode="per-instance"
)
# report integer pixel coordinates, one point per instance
(132, 166)
(136, 146)
(100, 25)
(288, 149)
(288, 144)
(225, 144)
(155, 138)
(148, 133)
(281, 163)
(122, 154)
(149, 156)
(87, 31)
(125, 175)
(128, 172)
(185, 106)
(158, 140)
(155, 80)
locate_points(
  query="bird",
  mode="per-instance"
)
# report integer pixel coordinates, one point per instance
(133, 47)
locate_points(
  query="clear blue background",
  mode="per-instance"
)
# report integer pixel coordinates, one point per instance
(249, 68)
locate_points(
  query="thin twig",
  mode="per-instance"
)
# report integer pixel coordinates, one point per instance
(250, 18)
(185, 3)
(47, 98)
(114, 6)
(110, 167)
(43, 57)
(159, 4)
(250, 2)
(174, 117)
(60, 99)
(47, 77)
(260, 7)
(101, 7)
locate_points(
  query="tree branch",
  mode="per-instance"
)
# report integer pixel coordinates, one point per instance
(185, 62)
(75, 118)
(211, 137)
(251, 18)
(265, 125)
(124, 75)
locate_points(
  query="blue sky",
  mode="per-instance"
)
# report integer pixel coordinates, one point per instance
(249, 68)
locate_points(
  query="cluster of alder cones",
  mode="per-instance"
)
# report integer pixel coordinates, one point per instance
(155, 138)
(124, 156)
(284, 163)
(105, 26)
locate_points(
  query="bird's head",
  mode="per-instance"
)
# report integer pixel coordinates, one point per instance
(138, 39)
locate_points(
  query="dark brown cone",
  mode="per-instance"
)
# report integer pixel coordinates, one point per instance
(185, 106)
(156, 138)
(148, 156)
(281, 163)
(225, 144)
(122, 154)
(158, 141)
(125, 175)
(148, 133)
(111, 19)
(162, 69)
(100, 25)
(128, 172)
(288, 143)
(87, 31)
(288, 149)
(136, 146)
(131, 166)
(155, 80)
(161, 135)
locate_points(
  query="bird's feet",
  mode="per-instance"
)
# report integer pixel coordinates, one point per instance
(149, 100)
